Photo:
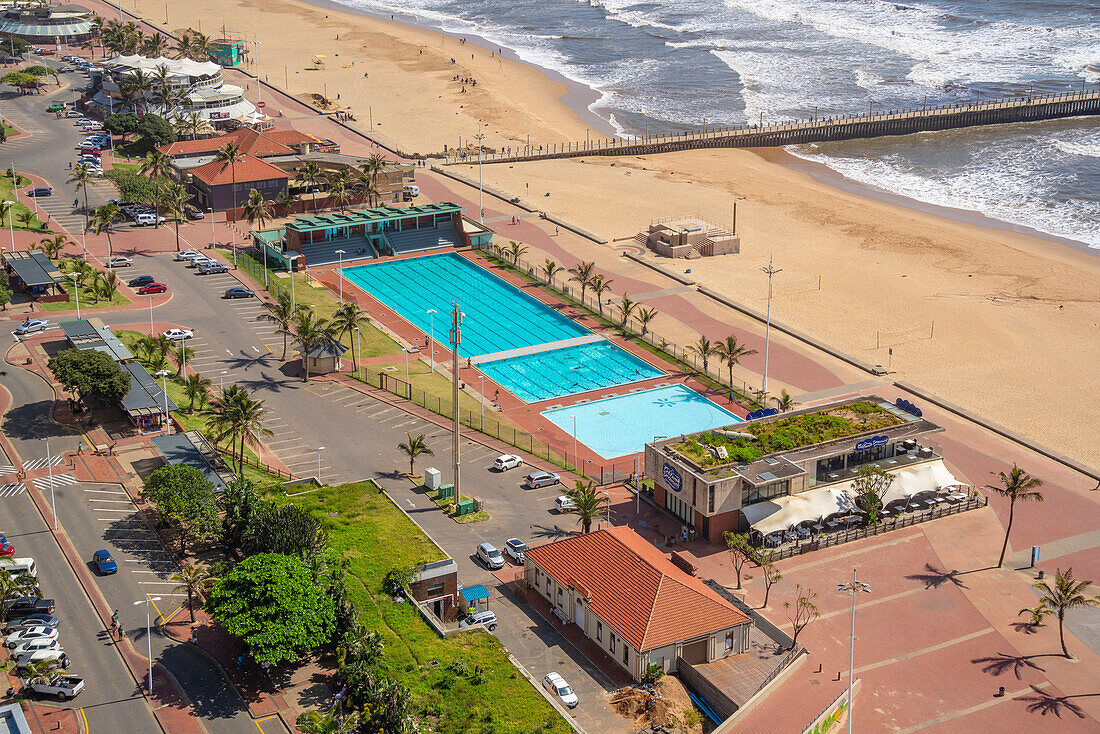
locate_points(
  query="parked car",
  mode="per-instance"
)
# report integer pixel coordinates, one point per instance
(74, 113)
(118, 261)
(194, 212)
(539, 479)
(565, 503)
(179, 334)
(557, 686)
(104, 564)
(487, 618)
(141, 280)
(40, 192)
(504, 462)
(146, 290)
(31, 620)
(188, 255)
(7, 550)
(213, 267)
(30, 633)
(238, 293)
(490, 556)
(58, 657)
(62, 687)
(27, 646)
(23, 606)
(201, 260)
(146, 219)
(516, 549)
(30, 327)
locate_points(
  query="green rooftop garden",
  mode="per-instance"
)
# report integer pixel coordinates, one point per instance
(786, 434)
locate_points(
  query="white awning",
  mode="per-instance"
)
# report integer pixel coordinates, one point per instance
(784, 512)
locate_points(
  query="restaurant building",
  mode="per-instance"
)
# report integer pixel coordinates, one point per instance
(47, 24)
(772, 472)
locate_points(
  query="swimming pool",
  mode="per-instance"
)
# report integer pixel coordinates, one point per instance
(558, 372)
(622, 425)
(499, 317)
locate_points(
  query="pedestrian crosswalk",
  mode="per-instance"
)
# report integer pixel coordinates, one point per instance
(58, 480)
(12, 489)
(7, 469)
(41, 463)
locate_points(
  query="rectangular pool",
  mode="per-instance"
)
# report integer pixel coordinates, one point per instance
(499, 316)
(623, 425)
(567, 371)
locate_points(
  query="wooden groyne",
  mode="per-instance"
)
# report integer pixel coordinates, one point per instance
(895, 122)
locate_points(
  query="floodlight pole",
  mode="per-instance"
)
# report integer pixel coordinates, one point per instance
(76, 286)
(771, 270)
(340, 254)
(480, 188)
(852, 588)
(148, 636)
(456, 340)
(431, 334)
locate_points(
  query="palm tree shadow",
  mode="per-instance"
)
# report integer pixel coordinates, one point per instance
(935, 578)
(544, 531)
(1004, 663)
(1026, 628)
(1043, 703)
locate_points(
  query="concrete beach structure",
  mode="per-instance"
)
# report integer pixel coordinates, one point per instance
(689, 237)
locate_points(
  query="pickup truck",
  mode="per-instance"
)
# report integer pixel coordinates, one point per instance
(63, 687)
(25, 605)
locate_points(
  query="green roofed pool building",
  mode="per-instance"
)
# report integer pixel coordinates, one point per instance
(768, 474)
(367, 234)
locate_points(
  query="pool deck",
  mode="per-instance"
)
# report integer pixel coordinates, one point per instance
(537, 348)
(528, 415)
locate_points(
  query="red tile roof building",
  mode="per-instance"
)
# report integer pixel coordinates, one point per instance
(251, 142)
(634, 603)
(212, 183)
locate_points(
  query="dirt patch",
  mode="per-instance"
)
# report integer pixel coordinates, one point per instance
(319, 101)
(667, 705)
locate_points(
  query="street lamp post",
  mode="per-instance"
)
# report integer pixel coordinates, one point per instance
(11, 230)
(771, 270)
(221, 378)
(319, 450)
(456, 341)
(84, 242)
(341, 254)
(606, 494)
(76, 287)
(150, 314)
(480, 188)
(482, 391)
(852, 588)
(431, 334)
(148, 635)
(163, 375)
(406, 350)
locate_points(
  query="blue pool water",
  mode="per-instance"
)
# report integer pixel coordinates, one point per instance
(558, 372)
(499, 317)
(622, 425)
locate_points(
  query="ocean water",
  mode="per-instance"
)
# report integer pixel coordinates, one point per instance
(669, 65)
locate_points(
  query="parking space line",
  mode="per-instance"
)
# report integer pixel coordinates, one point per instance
(104, 491)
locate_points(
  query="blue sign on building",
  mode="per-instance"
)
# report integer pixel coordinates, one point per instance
(672, 477)
(872, 442)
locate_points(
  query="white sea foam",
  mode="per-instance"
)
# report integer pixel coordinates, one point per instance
(1085, 149)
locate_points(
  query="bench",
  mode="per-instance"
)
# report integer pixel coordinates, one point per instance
(561, 615)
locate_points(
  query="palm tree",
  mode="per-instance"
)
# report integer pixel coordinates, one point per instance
(582, 273)
(645, 315)
(184, 45)
(414, 448)
(1037, 615)
(109, 284)
(105, 216)
(550, 268)
(730, 352)
(191, 580)
(367, 185)
(309, 331)
(373, 169)
(156, 165)
(191, 124)
(196, 388)
(1016, 485)
(175, 200)
(341, 187)
(599, 284)
(286, 201)
(80, 177)
(626, 307)
(140, 84)
(154, 46)
(784, 402)
(312, 722)
(1066, 594)
(250, 416)
(14, 585)
(53, 246)
(346, 318)
(516, 251)
(158, 361)
(704, 348)
(310, 174)
(587, 503)
(228, 155)
(257, 209)
(282, 313)
(181, 354)
(26, 217)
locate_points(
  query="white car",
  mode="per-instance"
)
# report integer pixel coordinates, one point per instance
(557, 685)
(63, 687)
(179, 334)
(516, 549)
(119, 261)
(188, 255)
(58, 657)
(31, 633)
(505, 462)
(38, 645)
(565, 503)
(490, 556)
(74, 113)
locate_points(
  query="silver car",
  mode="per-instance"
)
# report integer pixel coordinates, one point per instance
(490, 556)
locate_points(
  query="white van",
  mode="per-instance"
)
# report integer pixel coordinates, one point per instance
(19, 566)
(410, 192)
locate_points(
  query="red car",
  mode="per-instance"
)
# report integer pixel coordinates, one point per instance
(7, 550)
(152, 288)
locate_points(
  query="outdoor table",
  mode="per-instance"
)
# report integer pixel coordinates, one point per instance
(959, 497)
(819, 528)
(804, 532)
(851, 519)
(886, 513)
(832, 525)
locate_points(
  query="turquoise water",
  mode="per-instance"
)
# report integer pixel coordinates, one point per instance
(558, 372)
(499, 317)
(623, 425)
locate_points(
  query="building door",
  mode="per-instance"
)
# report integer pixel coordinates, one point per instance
(695, 652)
(578, 613)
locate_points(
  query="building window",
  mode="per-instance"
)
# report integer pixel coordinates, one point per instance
(536, 577)
(560, 606)
(599, 631)
(435, 589)
(611, 645)
(729, 641)
(626, 654)
(547, 586)
(751, 495)
(710, 499)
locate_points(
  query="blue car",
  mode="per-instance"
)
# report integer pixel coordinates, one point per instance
(103, 563)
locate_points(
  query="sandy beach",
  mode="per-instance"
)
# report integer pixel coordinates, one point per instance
(1016, 318)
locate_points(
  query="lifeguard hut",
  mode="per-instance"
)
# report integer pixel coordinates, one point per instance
(228, 52)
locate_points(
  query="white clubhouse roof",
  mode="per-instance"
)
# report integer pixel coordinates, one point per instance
(182, 67)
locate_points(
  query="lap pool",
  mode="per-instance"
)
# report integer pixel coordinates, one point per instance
(623, 425)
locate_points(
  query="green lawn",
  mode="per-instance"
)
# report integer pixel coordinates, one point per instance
(86, 301)
(17, 211)
(375, 536)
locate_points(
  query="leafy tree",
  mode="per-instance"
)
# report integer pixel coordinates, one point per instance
(273, 604)
(588, 504)
(802, 612)
(1067, 593)
(730, 352)
(132, 186)
(285, 529)
(1016, 485)
(414, 448)
(121, 123)
(90, 373)
(741, 552)
(185, 498)
(191, 580)
(871, 484)
(154, 131)
(396, 579)
(5, 294)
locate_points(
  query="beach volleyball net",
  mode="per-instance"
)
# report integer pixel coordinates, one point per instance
(894, 337)
(792, 287)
